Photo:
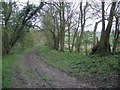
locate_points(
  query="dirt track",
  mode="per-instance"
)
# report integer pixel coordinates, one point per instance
(30, 71)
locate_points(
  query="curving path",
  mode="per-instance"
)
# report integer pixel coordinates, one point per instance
(30, 71)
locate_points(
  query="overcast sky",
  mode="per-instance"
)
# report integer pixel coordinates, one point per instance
(91, 28)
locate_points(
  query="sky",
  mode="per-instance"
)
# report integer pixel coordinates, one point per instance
(90, 28)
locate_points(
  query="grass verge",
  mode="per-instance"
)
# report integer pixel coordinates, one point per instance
(6, 65)
(0, 71)
(80, 65)
(7, 62)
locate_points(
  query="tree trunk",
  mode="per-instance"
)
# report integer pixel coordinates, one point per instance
(58, 33)
(76, 34)
(94, 34)
(83, 22)
(77, 48)
(6, 48)
(69, 37)
(74, 37)
(103, 47)
(56, 43)
(10, 40)
(62, 26)
(116, 36)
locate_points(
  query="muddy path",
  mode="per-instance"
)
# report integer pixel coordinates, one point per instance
(31, 71)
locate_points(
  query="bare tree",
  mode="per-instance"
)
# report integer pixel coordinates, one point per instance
(103, 46)
(82, 22)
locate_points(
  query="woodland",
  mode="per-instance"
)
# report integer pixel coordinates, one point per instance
(47, 44)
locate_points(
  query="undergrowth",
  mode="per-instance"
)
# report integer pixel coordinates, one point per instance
(80, 65)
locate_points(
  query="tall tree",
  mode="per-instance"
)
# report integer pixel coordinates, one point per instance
(62, 25)
(103, 46)
(116, 35)
(51, 26)
(82, 22)
(117, 31)
(7, 11)
(69, 22)
(14, 23)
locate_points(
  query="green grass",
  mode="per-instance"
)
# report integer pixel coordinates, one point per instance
(6, 65)
(46, 78)
(80, 65)
(0, 72)
(29, 73)
(7, 62)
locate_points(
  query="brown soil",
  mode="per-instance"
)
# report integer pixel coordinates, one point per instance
(30, 71)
